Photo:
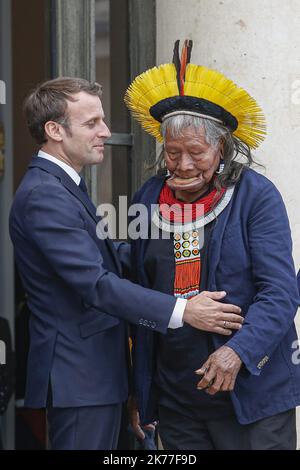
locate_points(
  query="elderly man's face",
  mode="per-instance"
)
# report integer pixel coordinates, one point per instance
(192, 163)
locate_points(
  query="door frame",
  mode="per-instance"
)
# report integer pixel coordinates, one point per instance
(74, 55)
(7, 295)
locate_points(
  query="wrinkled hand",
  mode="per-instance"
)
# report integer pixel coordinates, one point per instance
(134, 418)
(219, 371)
(205, 312)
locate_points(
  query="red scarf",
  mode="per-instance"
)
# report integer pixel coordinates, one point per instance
(167, 198)
(187, 261)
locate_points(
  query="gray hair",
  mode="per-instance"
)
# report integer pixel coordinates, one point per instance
(215, 134)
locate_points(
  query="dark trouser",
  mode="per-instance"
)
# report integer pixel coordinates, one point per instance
(178, 432)
(84, 428)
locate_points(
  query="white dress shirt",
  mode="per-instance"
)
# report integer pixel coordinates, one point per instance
(67, 168)
(176, 317)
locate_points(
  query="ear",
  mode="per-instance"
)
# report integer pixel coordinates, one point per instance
(53, 131)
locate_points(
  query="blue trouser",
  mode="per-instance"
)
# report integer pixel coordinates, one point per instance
(84, 428)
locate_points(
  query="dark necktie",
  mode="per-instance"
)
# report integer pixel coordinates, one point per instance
(83, 188)
(82, 185)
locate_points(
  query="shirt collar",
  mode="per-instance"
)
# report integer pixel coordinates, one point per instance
(67, 168)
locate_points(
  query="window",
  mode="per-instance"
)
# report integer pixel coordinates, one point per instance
(112, 71)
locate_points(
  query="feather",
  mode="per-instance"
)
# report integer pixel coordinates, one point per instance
(160, 83)
(176, 61)
(213, 86)
(148, 89)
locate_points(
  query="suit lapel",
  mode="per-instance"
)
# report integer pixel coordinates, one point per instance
(78, 193)
(215, 244)
(149, 198)
(72, 187)
(67, 182)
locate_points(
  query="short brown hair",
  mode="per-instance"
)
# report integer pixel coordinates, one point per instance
(48, 102)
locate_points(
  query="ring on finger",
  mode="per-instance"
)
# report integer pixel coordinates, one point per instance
(225, 324)
(209, 384)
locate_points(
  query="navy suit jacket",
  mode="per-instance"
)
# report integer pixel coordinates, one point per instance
(249, 257)
(79, 303)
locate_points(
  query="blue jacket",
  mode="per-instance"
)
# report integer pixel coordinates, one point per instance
(249, 257)
(78, 302)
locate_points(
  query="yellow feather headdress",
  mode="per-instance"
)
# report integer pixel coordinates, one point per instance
(182, 87)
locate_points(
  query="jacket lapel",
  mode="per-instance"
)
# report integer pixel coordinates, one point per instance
(149, 198)
(215, 244)
(67, 182)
